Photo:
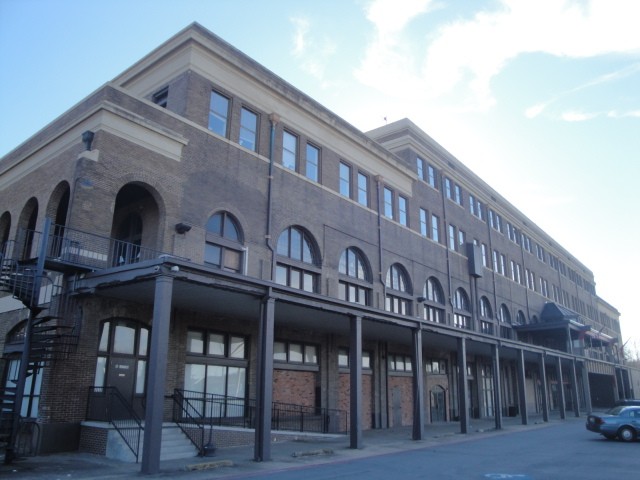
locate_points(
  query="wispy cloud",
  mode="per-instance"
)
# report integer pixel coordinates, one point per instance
(312, 53)
(575, 116)
(463, 56)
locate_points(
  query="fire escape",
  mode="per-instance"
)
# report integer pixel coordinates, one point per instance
(50, 332)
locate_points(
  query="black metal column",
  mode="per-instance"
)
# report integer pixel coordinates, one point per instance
(264, 385)
(463, 387)
(522, 388)
(156, 379)
(563, 412)
(497, 387)
(586, 386)
(544, 388)
(355, 382)
(574, 389)
(418, 385)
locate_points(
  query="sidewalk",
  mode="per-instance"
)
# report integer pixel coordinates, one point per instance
(237, 462)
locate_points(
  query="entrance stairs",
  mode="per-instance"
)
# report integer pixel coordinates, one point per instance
(175, 445)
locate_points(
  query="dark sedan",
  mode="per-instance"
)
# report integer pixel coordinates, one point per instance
(621, 422)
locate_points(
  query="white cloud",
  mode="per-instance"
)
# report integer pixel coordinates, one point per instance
(465, 55)
(535, 110)
(574, 116)
(313, 54)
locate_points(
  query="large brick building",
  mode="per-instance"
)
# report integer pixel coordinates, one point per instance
(199, 240)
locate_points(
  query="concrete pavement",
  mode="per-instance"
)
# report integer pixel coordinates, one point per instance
(237, 462)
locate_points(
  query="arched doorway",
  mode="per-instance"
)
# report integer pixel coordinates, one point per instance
(26, 229)
(135, 224)
(438, 403)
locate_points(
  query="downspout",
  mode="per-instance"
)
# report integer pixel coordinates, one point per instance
(445, 233)
(379, 211)
(274, 119)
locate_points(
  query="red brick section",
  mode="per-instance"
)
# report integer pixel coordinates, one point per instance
(367, 397)
(291, 386)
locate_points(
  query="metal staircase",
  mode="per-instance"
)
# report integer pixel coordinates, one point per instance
(49, 333)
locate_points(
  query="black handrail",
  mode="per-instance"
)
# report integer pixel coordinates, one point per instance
(119, 413)
(183, 417)
(225, 410)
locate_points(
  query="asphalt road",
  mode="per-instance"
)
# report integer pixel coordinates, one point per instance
(559, 452)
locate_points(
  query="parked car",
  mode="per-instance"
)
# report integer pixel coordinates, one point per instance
(628, 402)
(621, 422)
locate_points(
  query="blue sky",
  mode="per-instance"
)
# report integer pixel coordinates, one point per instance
(541, 98)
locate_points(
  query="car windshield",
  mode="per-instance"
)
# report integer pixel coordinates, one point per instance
(616, 410)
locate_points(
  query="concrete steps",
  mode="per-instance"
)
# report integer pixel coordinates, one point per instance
(175, 445)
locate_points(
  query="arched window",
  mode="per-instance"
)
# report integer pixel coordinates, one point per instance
(462, 313)
(434, 297)
(355, 284)
(520, 318)
(505, 321)
(14, 344)
(223, 248)
(397, 280)
(298, 262)
(486, 316)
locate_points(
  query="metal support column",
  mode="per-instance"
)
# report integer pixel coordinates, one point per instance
(355, 382)
(522, 389)
(574, 389)
(264, 384)
(544, 389)
(156, 378)
(586, 386)
(418, 385)
(463, 386)
(563, 412)
(497, 388)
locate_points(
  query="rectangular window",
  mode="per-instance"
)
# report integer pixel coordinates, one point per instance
(435, 228)
(388, 202)
(457, 194)
(218, 113)
(431, 176)
(313, 163)
(248, 129)
(289, 150)
(345, 179)
(452, 237)
(424, 227)
(447, 188)
(472, 205)
(462, 239)
(363, 189)
(402, 210)
(420, 167)
(485, 259)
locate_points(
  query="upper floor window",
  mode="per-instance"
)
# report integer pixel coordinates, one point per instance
(313, 163)
(223, 248)
(503, 315)
(356, 288)
(461, 317)
(435, 228)
(402, 210)
(388, 202)
(424, 226)
(218, 113)
(345, 179)
(294, 352)
(398, 281)
(363, 189)
(433, 294)
(295, 244)
(420, 168)
(289, 150)
(432, 177)
(457, 194)
(248, 129)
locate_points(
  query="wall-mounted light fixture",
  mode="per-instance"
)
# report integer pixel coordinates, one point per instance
(421, 299)
(182, 228)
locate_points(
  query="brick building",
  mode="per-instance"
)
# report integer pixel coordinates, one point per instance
(199, 241)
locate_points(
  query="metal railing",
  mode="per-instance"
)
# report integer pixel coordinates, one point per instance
(107, 404)
(221, 410)
(186, 416)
